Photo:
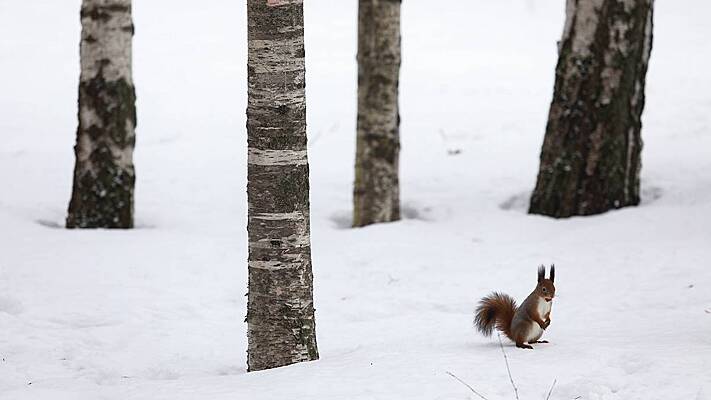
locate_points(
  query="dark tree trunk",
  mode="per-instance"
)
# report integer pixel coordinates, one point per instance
(280, 311)
(102, 196)
(590, 161)
(376, 193)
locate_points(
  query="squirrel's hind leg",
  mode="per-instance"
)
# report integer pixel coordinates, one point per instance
(539, 341)
(524, 346)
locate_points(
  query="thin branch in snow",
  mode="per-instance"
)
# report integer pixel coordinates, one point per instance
(506, 359)
(551, 391)
(466, 384)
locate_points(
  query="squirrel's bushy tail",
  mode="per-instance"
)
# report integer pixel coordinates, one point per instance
(495, 310)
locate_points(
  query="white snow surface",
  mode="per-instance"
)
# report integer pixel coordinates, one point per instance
(158, 312)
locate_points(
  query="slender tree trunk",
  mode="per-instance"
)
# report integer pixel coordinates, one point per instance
(102, 196)
(376, 193)
(280, 311)
(590, 161)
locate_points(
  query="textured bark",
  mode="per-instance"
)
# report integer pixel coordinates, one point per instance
(102, 195)
(376, 193)
(280, 312)
(590, 161)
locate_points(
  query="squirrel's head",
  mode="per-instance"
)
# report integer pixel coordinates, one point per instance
(545, 287)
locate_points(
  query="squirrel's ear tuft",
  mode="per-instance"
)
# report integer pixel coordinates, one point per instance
(552, 274)
(541, 273)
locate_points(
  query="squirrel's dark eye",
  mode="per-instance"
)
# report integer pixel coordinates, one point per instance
(544, 290)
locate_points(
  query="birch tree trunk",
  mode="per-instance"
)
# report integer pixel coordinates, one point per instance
(102, 195)
(590, 161)
(280, 311)
(376, 193)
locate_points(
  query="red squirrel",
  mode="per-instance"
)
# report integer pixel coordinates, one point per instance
(524, 324)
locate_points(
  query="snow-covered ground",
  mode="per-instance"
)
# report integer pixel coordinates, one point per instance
(157, 312)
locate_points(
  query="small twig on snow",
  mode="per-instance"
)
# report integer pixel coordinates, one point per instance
(551, 391)
(506, 359)
(466, 384)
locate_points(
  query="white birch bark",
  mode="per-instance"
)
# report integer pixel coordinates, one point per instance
(590, 161)
(376, 192)
(104, 177)
(280, 312)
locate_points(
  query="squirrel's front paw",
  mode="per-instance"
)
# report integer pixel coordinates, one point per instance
(547, 323)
